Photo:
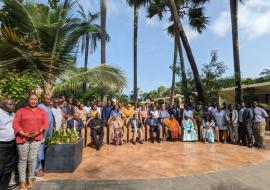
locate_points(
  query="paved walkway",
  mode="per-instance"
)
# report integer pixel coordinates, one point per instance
(228, 167)
(256, 177)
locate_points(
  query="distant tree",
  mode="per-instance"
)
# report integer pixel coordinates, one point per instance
(212, 74)
(265, 73)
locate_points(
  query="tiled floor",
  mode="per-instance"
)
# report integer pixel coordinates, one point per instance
(161, 160)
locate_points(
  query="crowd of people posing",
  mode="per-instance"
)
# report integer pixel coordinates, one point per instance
(23, 129)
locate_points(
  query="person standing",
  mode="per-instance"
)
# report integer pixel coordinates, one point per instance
(87, 108)
(44, 104)
(82, 113)
(8, 150)
(232, 121)
(245, 123)
(219, 116)
(29, 125)
(105, 114)
(68, 109)
(259, 124)
(58, 114)
(96, 124)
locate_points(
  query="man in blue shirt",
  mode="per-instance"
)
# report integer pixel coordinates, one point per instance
(154, 126)
(106, 110)
(44, 104)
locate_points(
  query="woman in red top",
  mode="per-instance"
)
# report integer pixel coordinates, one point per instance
(29, 124)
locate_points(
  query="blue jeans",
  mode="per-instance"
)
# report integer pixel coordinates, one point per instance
(40, 156)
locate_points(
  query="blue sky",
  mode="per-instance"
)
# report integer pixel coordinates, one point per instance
(155, 47)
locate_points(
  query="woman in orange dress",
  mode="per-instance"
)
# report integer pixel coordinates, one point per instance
(173, 126)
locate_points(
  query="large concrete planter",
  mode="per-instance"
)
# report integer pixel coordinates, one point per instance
(63, 158)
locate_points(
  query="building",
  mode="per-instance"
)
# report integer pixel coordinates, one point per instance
(252, 92)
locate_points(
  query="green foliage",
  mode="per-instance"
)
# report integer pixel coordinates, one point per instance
(63, 136)
(16, 85)
(212, 73)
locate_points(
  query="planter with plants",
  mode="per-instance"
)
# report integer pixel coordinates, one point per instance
(64, 151)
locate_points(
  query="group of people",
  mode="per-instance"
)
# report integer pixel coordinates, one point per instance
(24, 128)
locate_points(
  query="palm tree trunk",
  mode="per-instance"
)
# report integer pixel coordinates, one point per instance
(173, 71)
(135, 54)
(86, 51)
(103, 11)
(183, 71)
(236, 58)
(189, 53)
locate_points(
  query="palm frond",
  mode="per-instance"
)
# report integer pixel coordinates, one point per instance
(111, 77)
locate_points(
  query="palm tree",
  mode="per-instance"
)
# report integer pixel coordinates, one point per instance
(43, 40)
(136, 4)
(91, 36)
(194, 10)
(173, 71)
(236, 58)
(111, 77)
(176, 18)
(103, 11)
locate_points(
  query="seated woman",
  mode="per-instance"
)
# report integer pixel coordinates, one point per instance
(208, 129)
(189, 132)
(173, 126)
(117, 129)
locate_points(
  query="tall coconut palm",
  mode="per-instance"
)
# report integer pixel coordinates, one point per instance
(176, 17)
(194, 10)
(91, 36)
(136, 4)
(236, 57)
(103, 12)
(173, 71)
(42, 40)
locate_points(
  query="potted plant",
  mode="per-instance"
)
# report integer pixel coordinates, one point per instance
(64, 152)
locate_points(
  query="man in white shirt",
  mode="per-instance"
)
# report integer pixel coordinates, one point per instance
(259, 124)
(87, 108)
(57, 113)
(8, 151)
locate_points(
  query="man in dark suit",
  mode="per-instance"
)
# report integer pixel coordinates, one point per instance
(75, 123)
(96, 124)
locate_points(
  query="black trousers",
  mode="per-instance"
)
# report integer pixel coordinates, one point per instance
(97, 136)
(156, 129)
(8, 160)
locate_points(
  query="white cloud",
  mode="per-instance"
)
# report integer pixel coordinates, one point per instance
(153, 21)
(222, 25)
(254, 20)
(191, 34)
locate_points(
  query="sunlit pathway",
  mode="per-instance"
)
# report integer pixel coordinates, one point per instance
(167, 166)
